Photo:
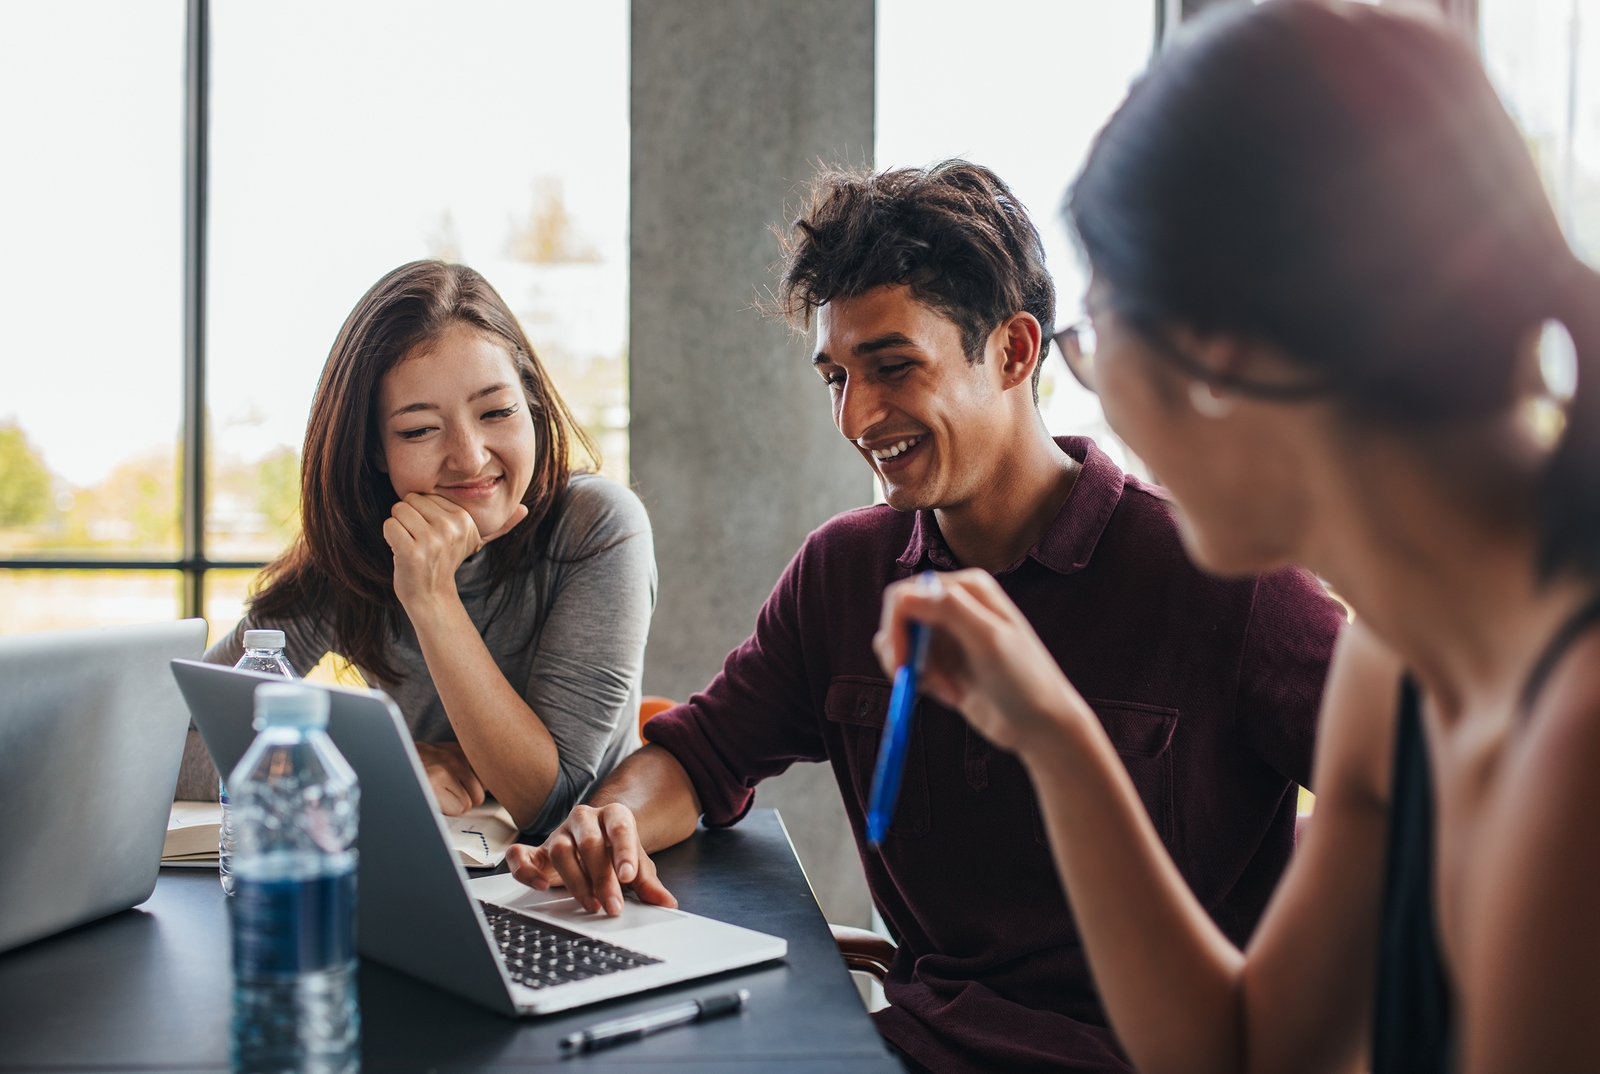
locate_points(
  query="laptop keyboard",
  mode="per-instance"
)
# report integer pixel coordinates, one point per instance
(543, 956)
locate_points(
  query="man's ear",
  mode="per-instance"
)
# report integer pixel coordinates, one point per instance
(1019, 338)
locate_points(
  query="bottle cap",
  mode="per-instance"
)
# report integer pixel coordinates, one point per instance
(263, 639)
(290, 705)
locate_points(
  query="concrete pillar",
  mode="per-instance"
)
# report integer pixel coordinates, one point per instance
(1171, 14)
(1191, 8)
(731, 443)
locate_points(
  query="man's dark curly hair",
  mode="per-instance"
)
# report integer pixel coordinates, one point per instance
(954, 233)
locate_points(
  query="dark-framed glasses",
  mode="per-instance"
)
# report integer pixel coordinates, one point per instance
(1076, 343)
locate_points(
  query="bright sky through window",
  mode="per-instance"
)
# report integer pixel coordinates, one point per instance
(1021, 87)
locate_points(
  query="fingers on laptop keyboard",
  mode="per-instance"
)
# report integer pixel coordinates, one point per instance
(648, 885)
(622, 839)
(581, 850)
(531, 866)
(596, 853)
(597, 844)
(566, 856)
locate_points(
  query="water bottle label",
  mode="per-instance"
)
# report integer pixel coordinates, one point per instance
(293, 926)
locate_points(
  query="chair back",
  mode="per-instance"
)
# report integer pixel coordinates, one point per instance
(652, 706)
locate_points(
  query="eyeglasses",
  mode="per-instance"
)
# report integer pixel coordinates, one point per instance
(1076, 343)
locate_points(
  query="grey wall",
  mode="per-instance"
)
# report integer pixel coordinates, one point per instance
(731, 443)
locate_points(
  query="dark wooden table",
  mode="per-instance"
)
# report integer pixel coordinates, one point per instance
(149, 989)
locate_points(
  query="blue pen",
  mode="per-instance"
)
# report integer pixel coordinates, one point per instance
(897, 733)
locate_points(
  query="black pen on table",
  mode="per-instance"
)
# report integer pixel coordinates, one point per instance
(635, 1026)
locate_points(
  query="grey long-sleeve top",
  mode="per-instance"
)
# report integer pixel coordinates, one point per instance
(571, 643)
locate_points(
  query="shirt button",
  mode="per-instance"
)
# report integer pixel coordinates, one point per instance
(861, 710)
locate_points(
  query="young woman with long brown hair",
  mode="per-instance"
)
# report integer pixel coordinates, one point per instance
(450, 551)
(1322, 267)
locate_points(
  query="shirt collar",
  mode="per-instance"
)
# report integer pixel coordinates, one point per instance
(1067, 543)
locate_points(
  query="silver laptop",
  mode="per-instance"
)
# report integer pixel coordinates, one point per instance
(91, 735)
(491, 940)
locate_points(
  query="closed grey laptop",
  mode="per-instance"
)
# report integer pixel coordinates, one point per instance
(491, 940)
(91, 736)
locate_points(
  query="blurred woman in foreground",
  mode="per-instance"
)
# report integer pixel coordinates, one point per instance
(1322, 266)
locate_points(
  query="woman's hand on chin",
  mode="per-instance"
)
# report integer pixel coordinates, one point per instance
(430, 537)
(455, 785)
(984, 659)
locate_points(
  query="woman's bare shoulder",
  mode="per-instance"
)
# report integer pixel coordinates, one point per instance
(1355, 735)
(1570, 702)
(1529, 984)
(1549, 771)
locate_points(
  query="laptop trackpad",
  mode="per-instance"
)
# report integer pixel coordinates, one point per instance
(635, 915)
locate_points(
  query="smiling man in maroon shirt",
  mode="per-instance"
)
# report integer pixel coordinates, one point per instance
(930, 294)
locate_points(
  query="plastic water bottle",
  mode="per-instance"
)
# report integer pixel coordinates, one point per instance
(296, 804)
(263, 651)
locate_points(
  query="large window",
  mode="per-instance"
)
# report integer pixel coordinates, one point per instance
(329, 144)
(91, 117)
(1023, 90)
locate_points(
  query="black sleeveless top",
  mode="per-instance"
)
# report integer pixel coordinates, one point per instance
(1411, 1027)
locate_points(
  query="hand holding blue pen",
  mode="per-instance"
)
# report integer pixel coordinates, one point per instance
(897, 733)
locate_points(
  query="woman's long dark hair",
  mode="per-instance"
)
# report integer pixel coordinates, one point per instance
(340, 571)
(1341, 182)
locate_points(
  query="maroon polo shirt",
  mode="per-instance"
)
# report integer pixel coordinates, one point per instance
(1207, 687)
